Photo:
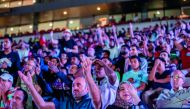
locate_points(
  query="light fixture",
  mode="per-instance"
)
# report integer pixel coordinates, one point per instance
(65, 13)
(157, 12)
(34, 1)
(78, 28)
(6, 5)
(19, 3)
(184, 0)
(98, 8)
(30, 26)
(12, 29)
(71, 22)
(2, 0)
(51, 24)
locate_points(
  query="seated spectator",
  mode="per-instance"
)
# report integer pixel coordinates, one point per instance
(135, 52)
(56, 79)
(68, 44)
(184, 51)
(165, 56)
(113, 47)
(177, 97)
(122, 62)
(159, 78)
(127, 98)
(138, 78)
(19, 99)
(91, 53)
(6, 90)
(12, 56)
(23, 51)
(107, 82)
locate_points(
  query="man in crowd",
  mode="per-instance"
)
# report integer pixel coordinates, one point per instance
(68, 44)
(107, 81)
(12, 56)
(135, 52)
(159, 78)
(177, 97)
(184, 51)
(137, 77)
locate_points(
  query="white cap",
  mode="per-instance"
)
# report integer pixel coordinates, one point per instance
(67, 31)
(7, 77)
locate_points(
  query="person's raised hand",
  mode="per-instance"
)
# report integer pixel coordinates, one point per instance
(99, 30)
(86, 66)
(27, 79)
(113, 28)
(38, 69)
(157, 62)
(132, 91)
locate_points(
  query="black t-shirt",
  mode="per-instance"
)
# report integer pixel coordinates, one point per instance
(162, 76)
(98, 51)
(67, 44)
(14, 58)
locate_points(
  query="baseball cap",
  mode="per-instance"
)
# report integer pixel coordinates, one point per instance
(7, 77)
(68, 31)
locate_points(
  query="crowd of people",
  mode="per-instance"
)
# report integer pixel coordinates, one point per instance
(101, 69)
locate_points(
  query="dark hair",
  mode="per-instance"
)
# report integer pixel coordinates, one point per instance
(165, 52)
(135, 46)
(57, 59)
(161, 59)
(8, 37)
(25, 96)
(135, 57)
(107, 52)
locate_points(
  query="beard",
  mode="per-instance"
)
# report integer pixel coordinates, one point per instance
(78, 95)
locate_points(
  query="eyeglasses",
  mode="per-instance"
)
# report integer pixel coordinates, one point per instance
(177, 77)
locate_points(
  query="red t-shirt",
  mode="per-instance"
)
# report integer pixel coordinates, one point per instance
(185, 58)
